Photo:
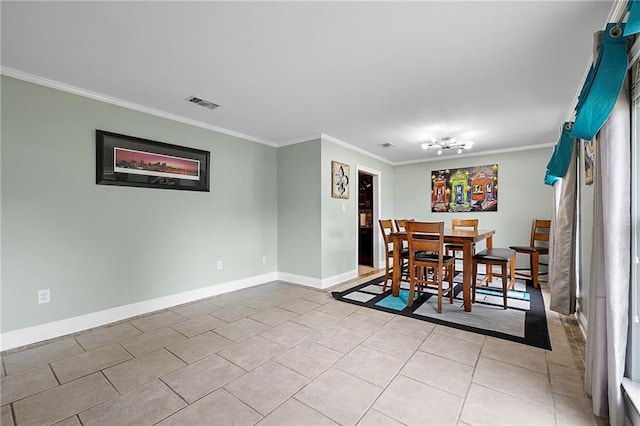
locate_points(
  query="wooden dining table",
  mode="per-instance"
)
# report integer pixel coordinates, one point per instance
(466, 238)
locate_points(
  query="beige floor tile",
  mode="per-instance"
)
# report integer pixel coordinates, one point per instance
(267, 386)
(368, 364)
(515, 353)
(288, 333)
(146, 405)
(338, 309)
(573, 412)
(108, 335)
(394, 344)
(228, 299)
(200, 346)
(566, 381)
(89, 362)
(63, 401)
(252, 352)
(516, 381)
(198, 325)
(339, 339)
(219, 407)
(376, 418)
(71, 421)
(452, 348)
(2, 372)
(241, 329)
(485, 406)
(35, 357)
(273, 316)
(143, 369)
(234, 312)
(156, 321)
(436, 407)
(316, 320)
(441, 373)
(195, 309)
(562, 357)
(201, 377)
(362, 323)
(294, 413)
(308, 359)
(339, 396)
(151, 341)
(26, 383)
(317, 297)
(6, 419)
(459, 334)
(373, 313)
(299, 306)
(409, 327)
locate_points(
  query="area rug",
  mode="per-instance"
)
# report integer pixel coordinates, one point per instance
(524, 321)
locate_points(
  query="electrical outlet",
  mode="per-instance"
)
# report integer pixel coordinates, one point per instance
(44, 296)
(264, 259)
(219, 265)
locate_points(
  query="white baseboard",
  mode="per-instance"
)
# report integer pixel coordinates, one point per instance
(50, 330)
(317, 282)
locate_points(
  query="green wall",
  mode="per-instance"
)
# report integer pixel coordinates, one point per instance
(339, 216)
(522, 195)
(98, 247)
(299, 220)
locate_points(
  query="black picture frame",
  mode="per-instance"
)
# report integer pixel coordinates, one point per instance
(120, 160)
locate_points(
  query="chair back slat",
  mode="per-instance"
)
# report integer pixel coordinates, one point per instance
(540, 230)
(386, 226)
(401, 224)
(464, 223)
(425, 236)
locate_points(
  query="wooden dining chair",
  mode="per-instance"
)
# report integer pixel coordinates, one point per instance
(427, 261)
(538, 245)
(386, 227)
(468, 224)
(401, 224)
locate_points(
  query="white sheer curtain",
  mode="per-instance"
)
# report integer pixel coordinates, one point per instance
(562, 243)
(609, 283)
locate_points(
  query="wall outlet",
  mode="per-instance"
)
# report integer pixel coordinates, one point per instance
(219, 265)
(264, 259)
(44, 296)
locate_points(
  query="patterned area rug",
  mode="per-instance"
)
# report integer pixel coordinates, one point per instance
(523, 322)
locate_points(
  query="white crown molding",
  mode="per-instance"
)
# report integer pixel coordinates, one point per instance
(354, 148)
(42, 81)
(50, 330)
(477, 154)
(300, 140)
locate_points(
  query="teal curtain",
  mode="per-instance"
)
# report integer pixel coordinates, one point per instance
(603, 84)
(561, 157)
(633, 22)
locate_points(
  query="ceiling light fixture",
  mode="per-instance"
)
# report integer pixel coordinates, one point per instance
(446, 143)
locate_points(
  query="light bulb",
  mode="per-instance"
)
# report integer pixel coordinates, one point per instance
(459, 150)
(439, 152)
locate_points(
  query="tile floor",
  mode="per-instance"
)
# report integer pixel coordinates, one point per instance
(280, 354)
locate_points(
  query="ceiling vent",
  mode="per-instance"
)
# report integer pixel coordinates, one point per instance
(202, 102)
(387, 145)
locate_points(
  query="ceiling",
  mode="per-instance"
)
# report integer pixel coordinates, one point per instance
(503, 74)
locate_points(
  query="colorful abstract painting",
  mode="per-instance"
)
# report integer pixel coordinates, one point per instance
(465, 189)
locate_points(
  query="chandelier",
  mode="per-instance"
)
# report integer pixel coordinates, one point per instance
(447, 143)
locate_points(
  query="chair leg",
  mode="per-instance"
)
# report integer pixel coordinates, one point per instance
(439, 281)
(474, 274)
(534, 268)
(512, 270)
(386, 274)
(505, 284)
(412, 283)
(452, 269)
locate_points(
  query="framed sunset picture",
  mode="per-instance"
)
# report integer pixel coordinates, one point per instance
(131, 161)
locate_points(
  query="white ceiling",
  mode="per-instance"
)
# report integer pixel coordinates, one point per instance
(503, 74)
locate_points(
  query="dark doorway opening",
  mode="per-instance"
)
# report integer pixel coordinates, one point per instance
(365, 219)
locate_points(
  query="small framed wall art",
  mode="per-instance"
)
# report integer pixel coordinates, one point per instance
(339, 180)
(130, 161)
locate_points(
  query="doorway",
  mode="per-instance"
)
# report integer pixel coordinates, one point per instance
(365, 223)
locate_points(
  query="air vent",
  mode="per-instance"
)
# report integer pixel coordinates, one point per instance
(202, 102)
(387, 145)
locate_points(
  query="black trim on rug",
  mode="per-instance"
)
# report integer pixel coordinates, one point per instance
(536, 332)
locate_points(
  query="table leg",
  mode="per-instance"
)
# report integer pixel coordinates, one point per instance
(395, 276)
(489, 275)
(467, 274)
